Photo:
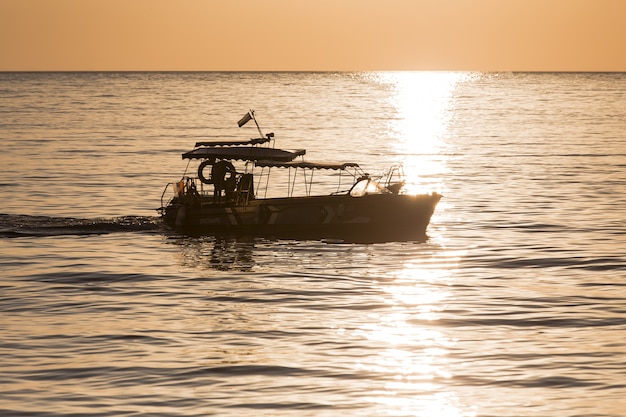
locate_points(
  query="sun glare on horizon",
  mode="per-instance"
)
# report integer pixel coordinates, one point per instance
(424, 104)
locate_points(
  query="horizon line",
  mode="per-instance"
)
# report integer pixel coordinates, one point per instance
(323, 71)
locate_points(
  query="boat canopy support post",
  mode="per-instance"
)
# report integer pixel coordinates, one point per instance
(308, 184)
(291, 183)
(339, 183)
(267, 180)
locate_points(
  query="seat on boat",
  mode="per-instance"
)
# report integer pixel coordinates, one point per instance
(245, 188)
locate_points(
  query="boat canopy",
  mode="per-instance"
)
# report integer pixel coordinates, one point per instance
(254, 141)
(306, 164)
(244, 153)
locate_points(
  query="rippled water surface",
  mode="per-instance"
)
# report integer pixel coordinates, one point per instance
(514, 306)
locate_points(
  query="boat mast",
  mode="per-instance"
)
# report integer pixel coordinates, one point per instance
(256, 123)
(250, 116)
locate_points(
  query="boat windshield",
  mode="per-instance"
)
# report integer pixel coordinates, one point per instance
(367, 186)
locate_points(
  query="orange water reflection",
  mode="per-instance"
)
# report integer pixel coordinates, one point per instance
(424, 104)
(416, 355)
(412, 363)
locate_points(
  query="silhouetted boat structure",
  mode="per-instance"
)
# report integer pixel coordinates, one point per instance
(232, 198)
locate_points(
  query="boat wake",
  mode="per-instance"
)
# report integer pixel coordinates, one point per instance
(18, 225)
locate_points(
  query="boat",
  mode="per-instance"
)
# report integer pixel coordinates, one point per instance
(227, 194)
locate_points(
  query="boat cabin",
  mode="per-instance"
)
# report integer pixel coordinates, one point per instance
(238, 171)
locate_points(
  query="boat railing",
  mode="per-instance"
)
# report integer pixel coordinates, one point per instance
(191, 190)
(393, 179)
(167, 186)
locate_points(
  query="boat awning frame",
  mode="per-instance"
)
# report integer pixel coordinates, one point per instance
(254, 141)
(306, 165)
(244, 153)
(308, 168)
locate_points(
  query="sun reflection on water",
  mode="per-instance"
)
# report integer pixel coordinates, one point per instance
(411, 363)
(424, 104)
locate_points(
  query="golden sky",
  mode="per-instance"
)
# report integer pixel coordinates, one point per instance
(345, 35)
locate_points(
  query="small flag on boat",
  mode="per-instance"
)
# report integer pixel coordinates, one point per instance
(245, 119)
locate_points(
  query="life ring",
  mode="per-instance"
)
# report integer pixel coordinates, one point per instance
(201, 176)
(221, 172)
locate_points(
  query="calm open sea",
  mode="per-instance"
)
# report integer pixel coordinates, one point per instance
(515, 306)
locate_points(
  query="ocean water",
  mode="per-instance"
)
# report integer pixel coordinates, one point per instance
(514, 306)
